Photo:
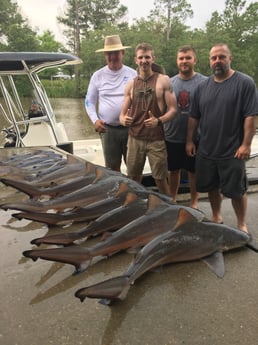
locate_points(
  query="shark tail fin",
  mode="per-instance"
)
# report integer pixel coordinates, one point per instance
(42, 217)
(74, 255)
(108, 291)
(22, 186)
(63, 239)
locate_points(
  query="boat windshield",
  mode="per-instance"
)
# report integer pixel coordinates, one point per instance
(17, 110)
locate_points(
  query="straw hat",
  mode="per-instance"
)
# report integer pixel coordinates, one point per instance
(112, 43)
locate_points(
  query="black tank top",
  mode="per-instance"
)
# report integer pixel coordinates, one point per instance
(144, 99)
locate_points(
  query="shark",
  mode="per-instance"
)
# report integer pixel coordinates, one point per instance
(93, 192)
(159, 217)
(35, 192)
(190, 241)
(133, 207)
(80, 214)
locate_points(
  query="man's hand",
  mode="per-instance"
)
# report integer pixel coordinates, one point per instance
(243, 152)
(100, 126)
(152, 121)
(127, 119)
(190, 149)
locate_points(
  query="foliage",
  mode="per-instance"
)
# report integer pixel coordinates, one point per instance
(64, 88)
(88, 22)
(47, 43)
(237, 26)
(171, 11)
(84, 16)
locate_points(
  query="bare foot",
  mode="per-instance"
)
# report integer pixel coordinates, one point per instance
(243, 227)
(217, 220)
(194, 205)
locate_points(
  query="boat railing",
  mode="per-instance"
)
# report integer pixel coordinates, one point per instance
(33, 120)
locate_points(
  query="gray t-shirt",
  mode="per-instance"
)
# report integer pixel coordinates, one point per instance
(221, 109)
(176, 129)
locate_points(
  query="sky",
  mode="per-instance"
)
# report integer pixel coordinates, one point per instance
(42, 14)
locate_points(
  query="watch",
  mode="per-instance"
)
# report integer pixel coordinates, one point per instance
(159, 122)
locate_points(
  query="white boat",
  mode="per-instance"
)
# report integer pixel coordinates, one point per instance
(36, 124)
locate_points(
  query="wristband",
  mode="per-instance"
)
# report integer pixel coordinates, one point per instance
(159, 122)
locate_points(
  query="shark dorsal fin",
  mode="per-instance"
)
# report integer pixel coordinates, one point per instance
(71, 159)
(100, 173)
(184, 217)
(123, 188)
(155, 202)
(89, 168)
(131, 197)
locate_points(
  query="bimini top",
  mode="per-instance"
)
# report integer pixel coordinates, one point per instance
(21, 62)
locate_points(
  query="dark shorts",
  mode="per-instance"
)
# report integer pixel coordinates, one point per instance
(178, 159)
(114, 144)
(228, 176)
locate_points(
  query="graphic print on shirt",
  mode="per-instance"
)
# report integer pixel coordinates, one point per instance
(183, 100)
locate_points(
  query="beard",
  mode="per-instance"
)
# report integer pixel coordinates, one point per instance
(220, 70)
(185, 69)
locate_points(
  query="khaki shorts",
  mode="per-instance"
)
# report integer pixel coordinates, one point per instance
(138, 150)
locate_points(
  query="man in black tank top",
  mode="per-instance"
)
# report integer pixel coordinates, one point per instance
(149, 101)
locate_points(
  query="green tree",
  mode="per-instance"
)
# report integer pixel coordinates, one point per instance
(15, 33)
(84, 16)
(8, 17)
(171, 11)
(237, 26)
(47, 42)
(22, 37)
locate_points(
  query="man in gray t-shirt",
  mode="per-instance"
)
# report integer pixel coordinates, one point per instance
(224, 107)
(184, 84)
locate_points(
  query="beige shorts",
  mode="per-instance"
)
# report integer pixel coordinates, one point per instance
(138, 150)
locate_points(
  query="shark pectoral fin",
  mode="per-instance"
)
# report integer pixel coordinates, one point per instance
(157, 269)
(105, 301)
(81, 267)
(252, 244)
(133, 250)
(18, 216)
(216, 263)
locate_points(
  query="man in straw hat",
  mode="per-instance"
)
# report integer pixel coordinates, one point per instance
(104, 101)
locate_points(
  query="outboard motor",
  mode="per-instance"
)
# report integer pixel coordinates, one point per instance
(10, 137)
